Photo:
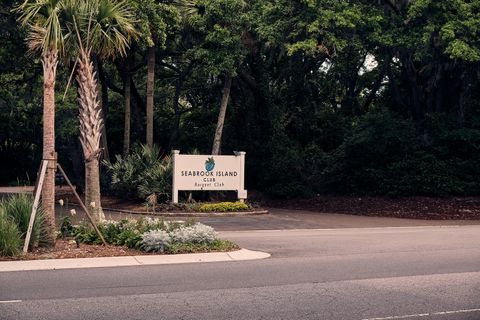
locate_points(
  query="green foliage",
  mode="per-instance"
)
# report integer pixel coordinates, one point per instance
(84, 233)
(66, 228)
(122, 233)
(18, 207)
(217, 245)
(328, 96)
(142, 173)
(155, 235)
(10, 236)
(224, 207)
(154, 20)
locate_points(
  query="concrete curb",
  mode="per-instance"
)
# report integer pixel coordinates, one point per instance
(127, 261)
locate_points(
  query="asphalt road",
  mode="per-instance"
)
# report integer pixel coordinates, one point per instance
(370, 273)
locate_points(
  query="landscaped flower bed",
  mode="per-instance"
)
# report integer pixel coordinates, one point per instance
(125, 237)
(152, 235)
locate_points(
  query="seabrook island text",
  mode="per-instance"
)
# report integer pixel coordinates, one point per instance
(209, 173)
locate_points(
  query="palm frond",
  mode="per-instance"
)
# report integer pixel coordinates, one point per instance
(43, 19)
(113, 27)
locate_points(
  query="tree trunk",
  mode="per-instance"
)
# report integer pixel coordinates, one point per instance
(128, 112)
(92, 189)
(91, 124)
(50, 62)
(103, 93)
(176, 109)
(217, 141)
(416, 101)
(150, 93)
(176, 105)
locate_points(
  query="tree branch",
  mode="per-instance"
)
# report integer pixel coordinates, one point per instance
(392, 6)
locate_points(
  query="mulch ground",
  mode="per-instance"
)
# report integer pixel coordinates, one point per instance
(412, 208)
(65, 249)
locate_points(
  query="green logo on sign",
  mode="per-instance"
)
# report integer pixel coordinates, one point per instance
(209, 164)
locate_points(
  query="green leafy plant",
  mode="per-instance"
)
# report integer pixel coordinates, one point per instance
(66, 228)
(10, 236)
(216, 245)
(141, 174)
(18, 207)
(84, 233)
(224, 207)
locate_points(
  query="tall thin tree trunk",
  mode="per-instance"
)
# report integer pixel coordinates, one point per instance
(176, 109)
(50, 62)
(217, 141)
(128, 112)
(103, 95)
(150, 93)
(91, 124)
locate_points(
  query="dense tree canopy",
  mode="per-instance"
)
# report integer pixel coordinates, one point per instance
(326, 96)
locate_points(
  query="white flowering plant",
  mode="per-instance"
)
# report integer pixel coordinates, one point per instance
(156, 241)
(198, 233)
(156, 235)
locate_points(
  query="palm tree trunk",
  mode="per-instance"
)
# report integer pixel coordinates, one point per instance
(128, 112)
(50, 62)
(150, 93)
(92, 189)
(217, 141)
(91, 125)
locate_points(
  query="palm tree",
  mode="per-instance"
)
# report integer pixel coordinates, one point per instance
(45, 36)
(103, 28)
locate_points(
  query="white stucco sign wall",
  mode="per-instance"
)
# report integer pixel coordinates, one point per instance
(207, 172)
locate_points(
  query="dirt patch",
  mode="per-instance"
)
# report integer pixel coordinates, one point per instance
(65, 249)
(413, 208)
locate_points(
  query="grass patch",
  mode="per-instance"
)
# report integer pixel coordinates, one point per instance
(15, 212)
(224, 207)
(10, 236)
(18, 207)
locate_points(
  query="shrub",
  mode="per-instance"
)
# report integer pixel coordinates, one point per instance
(10, 236)
(156, 240)
(180, 236)
(66, 228)
(19, 208)
(122, 233)
(290, 191)
(154, 235)
(198, 233)
(422, 174)
(142, 173)
(86, 234)
(216, 245)
(224, 207)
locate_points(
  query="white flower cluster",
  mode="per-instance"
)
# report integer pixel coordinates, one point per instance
(158, 240)
(106, 223)
(152, 221)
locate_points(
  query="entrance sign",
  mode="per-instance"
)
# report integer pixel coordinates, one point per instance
(206, 172)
